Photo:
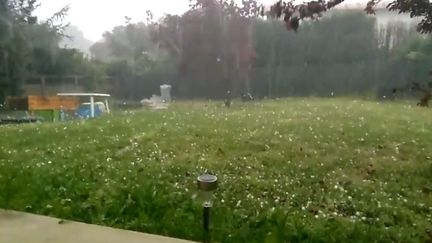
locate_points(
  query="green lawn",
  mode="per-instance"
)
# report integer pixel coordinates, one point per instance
(321, 170)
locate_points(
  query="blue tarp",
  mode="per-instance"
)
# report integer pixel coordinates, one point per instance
(84, 111)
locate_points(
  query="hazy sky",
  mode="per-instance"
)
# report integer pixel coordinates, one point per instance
(94, 17)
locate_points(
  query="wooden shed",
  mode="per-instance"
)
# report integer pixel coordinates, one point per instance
(37, 103)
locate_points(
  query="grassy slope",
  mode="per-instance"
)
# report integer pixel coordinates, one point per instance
(319, 169)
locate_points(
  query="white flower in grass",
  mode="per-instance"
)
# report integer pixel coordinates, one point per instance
(238, 203)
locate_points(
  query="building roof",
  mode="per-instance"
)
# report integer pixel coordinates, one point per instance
(84, 94)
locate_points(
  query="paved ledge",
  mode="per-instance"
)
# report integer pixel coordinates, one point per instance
(17, 227)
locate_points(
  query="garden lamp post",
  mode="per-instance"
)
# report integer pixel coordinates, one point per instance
(207, 184)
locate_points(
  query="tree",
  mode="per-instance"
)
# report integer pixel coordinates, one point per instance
(292, 14)
(323, 58)
(21, 35)
(213, 45)
(15, 22)
(74, 38)
(134, 63)
(416, 8)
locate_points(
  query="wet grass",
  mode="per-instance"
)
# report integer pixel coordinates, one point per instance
(320, 170)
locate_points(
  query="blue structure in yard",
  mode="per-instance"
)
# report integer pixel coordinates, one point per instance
(84, 111)
(91, 109)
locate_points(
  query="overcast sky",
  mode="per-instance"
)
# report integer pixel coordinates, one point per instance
(94, 17)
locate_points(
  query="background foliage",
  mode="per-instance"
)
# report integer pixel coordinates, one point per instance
(216, 47)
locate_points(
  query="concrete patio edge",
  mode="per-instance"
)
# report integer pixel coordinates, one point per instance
(18, 227)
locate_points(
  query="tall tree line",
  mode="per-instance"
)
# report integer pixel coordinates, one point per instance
(215, 47)
(210, 50)
(323, 58)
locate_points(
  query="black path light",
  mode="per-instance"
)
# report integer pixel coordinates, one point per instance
(207, 184)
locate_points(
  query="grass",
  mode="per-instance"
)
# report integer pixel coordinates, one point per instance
(318, 170)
